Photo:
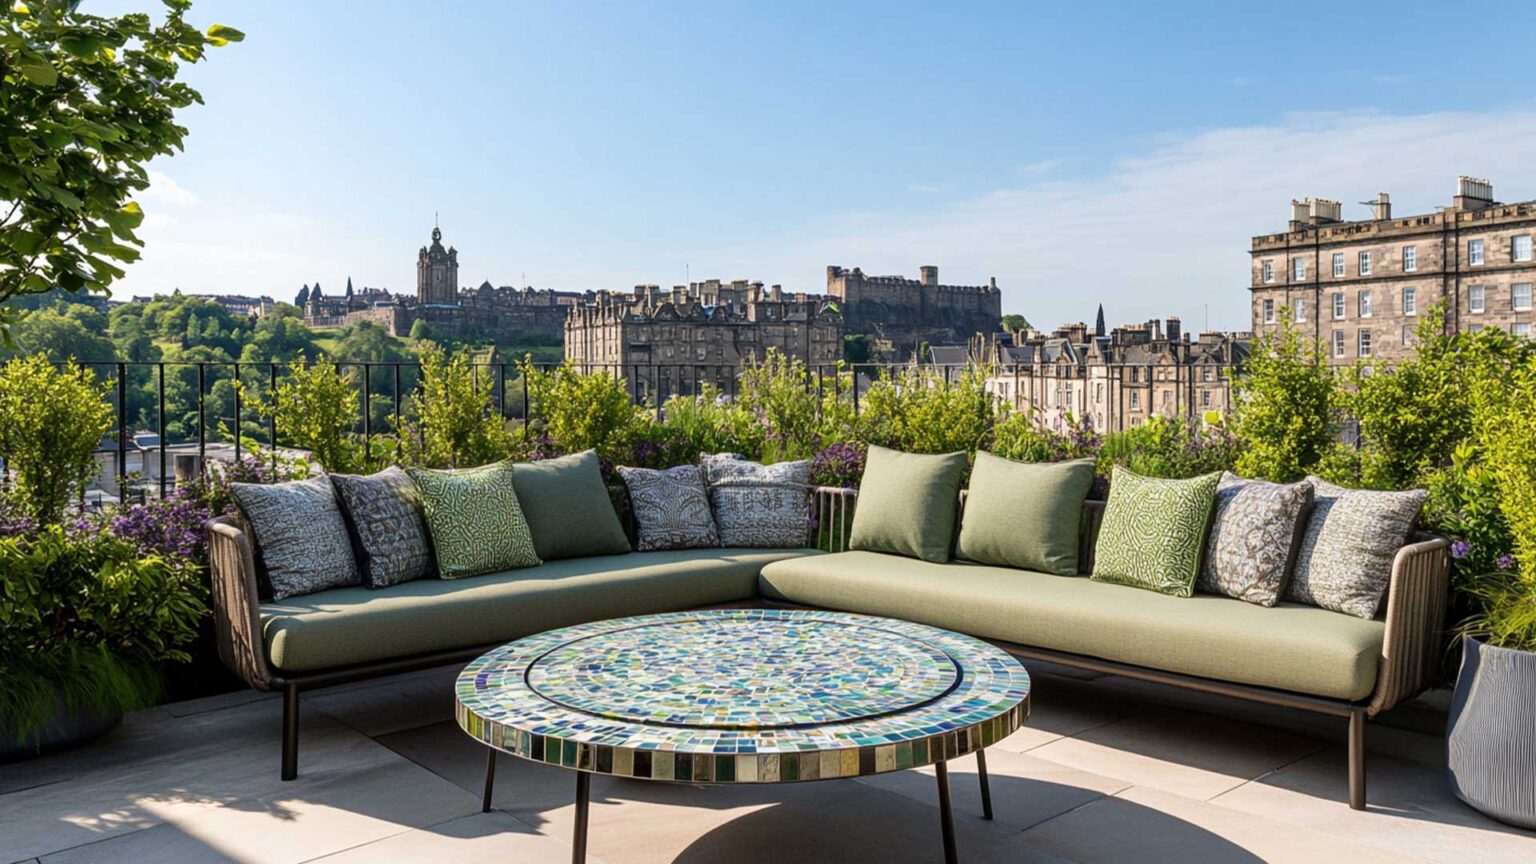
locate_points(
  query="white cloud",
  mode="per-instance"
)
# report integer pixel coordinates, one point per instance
(164, 190)
(1165, 231)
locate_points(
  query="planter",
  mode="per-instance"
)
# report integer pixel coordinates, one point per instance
(1491, 735)
(68, 728)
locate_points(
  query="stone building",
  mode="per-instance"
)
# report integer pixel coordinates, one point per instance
(1112, 380)
(1360, 286)
(487, 312)
(900, 313)
(669, 342)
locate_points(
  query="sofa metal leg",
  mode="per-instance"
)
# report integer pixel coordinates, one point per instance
(290, 731)
(490, 778)
(1357, 759)
(986, 788)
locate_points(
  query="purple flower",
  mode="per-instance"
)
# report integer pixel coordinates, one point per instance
(1460, 549)
(172, 526)
(1505, 562)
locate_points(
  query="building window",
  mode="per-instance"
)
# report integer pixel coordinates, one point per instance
(1410, 301)
(1338, 343)
(1475, 328)
(1520, 296)
(1298, 268)
(1338, 305)
(1205, 398)
(1135, 400)
(1407, 336)
(1269, 311)
(1520, 247)
(1475, 299)
(1364, 338)
(1410, 259)
(1364, 304)
(1474, 252)
(1338, 264)
(1267, 266)
(1300, 309)
(1523, 330)
(1205, 373)
(1364, 265)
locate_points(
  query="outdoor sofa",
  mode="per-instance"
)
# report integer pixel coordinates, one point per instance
(1288, 655)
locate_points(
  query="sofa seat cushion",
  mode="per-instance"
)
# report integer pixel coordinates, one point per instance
(357, 625)
(1290, 646)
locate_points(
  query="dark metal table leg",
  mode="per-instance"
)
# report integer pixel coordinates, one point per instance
(946, 813)
(986, 788)
(579, 841)
(490, 778)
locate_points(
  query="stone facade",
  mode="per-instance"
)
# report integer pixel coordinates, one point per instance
(487, 312)
(1360, 287)
(668, 342)
(902, 312)
(1112, 380)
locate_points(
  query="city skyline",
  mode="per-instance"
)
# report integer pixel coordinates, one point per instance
(583, 149)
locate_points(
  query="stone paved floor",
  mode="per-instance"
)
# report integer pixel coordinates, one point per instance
(1107, 770)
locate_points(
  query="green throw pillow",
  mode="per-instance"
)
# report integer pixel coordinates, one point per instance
(1153, 531)
(1024, 514)
(474, 519)
(906, 504)
(568, 508)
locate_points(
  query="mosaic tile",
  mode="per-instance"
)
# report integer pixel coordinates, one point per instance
(743, 696)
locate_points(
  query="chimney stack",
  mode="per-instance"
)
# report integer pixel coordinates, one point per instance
(1381, 208)
(1173, 328)
(1472, 193)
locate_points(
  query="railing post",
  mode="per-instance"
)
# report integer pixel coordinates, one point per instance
(272, 415)
(367, 410)
(202, 421)
(160, 427)
(237, 413)
(122, 432)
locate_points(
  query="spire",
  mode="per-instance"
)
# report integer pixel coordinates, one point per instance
(1098, 325)
(303, 299)
(349, 287)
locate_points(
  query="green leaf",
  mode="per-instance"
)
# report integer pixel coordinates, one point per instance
(220, 34)
(38, 71)
(123, 221)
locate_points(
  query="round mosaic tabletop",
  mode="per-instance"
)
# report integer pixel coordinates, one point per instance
(743, 696)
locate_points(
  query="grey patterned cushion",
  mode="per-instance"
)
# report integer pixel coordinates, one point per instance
(383, 513)
(671, 508)
(301, 540)
(1345, 559)
(476, 523)
(759, 505)
(1253, 538)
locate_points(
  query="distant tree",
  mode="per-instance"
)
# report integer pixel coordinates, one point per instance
(367, 342)
(1014, 323)
(420, 330)
(62, 333)
(856, 348)
(1284, 417)
(86, 101)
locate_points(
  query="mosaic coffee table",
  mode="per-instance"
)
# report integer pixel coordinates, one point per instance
(743, 696)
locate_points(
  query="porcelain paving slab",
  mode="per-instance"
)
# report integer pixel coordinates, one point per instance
(483, 838)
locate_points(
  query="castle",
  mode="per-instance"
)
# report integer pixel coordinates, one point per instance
(902, 312)
(484, 312)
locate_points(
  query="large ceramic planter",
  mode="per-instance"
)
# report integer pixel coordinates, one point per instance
(1492, 732)
(67, 728)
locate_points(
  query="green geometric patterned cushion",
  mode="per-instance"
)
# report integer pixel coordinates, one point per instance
(1153, 531)
(474, 519)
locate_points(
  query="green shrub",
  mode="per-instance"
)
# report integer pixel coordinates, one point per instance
(316, 408)
(84, 618)
(710, 423)
(450, 422)
(51, 421)
(780, 393)
(919, 411)
(580, 411)
(1022, 437)
(1283, 420)
(1171, 448)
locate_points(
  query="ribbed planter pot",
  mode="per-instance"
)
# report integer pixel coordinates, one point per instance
(68, 728)
(1492, 732)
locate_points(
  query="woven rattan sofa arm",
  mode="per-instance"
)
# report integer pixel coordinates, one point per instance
(1416, 599)
(831, 517)
(236, 603)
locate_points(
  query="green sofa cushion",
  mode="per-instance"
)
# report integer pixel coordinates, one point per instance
(1291, 646)
(476, 524)
(907, 503)
(1154, 531)
(359, 625)
(567, 507)
(1024, 514)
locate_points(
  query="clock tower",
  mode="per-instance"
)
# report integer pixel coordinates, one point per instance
(437, 273)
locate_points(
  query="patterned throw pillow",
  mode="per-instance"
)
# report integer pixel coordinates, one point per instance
(1153, 531)
(671, 508)
(1253, 538)
(475, 521)
(301, 540)
(759, 505)
(383, 513)
(1345, 560)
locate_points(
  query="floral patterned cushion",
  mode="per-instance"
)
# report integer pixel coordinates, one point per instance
(758, 505)
(301, 541)
(1253, 538)
(476, 523)
(671, 508)
(1346, 554)
(389, 536)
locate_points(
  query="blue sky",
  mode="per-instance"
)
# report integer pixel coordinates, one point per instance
(1079, 152)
